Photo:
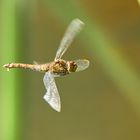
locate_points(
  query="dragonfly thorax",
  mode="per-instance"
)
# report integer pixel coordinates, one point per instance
(62, 67)
(59, 67)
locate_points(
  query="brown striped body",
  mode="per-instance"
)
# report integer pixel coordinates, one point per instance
(36, 67)
(58, 67)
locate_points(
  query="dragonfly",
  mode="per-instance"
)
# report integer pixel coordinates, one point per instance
(58, 67)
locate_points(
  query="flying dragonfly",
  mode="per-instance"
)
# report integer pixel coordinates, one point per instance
(58, 67)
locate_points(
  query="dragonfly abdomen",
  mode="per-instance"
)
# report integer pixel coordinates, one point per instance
(18, 65)
(36, 67)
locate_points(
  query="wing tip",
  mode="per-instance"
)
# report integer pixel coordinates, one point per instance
(77, 20)
(56, 107)
(86, 62)
(82, 64)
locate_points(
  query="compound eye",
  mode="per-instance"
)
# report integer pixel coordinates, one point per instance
(72, 66)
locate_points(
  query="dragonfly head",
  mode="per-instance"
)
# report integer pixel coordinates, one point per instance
(71, 66)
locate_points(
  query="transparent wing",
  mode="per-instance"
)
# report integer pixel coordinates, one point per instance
(52, 95)
(73, 29)
(81, 64)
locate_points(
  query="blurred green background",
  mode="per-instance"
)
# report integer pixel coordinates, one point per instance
(100, 103)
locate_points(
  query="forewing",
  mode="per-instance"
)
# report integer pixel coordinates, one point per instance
(73, 29)
(52, 95)
(81, 64)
